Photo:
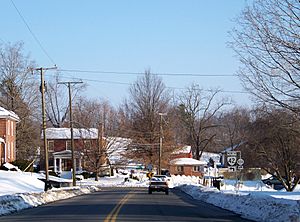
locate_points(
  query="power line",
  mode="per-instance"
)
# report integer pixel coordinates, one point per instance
(142, 73)
(34, 36)
(122, 83)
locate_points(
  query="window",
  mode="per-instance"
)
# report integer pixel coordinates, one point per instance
(196, 168)
(8, 127)
(12, 146)
(50, 145)
(87, 144)
(8, 151)
(68, 145)
(12, 128)
(180, 168)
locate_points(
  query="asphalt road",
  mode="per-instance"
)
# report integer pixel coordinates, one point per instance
(125, 204)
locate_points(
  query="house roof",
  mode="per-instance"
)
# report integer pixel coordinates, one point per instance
(65, 133)
(5, 114)
(185, 149)
(66, 153)
(187, 162)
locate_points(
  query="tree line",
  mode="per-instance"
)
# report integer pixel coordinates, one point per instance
(265, 39)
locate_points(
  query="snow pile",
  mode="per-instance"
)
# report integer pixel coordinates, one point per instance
(11, 167)
(16, 202)
(12, 182)
(180, 180)
(21, 190)
(231, 185)
(254, 206)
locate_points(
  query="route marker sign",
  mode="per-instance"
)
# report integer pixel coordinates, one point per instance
(231, 158)
(234, 160)
(240, 162)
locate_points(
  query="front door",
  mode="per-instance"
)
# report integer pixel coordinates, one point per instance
(66, 164)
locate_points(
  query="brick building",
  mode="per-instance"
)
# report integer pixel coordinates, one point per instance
(59, 147)
(182, 163)
(8, 121)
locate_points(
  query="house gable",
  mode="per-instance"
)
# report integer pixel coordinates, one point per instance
(8, 122)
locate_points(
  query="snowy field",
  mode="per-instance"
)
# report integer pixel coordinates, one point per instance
(253, 200)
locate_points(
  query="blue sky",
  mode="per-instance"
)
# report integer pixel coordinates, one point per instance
(166, 36)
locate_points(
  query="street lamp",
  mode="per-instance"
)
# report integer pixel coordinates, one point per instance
(160, 141)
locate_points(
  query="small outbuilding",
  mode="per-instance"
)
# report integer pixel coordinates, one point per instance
(187, 167)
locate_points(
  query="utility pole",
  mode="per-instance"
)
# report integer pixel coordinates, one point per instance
(100, 149)
(68, 84)
(43, 89)
(160, 142)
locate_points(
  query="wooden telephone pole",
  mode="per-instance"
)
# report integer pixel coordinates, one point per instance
(68, 84)
(43, 90)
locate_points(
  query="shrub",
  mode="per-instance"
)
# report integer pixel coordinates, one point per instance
(23, 164)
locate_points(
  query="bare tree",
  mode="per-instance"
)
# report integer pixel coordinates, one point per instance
(19, 93)
(273, 142)
(17, 82)
(197, 112)
(91, 114)
(233, 128)
(148, 98)
(95, 158)
(57, 101)
(267, 42)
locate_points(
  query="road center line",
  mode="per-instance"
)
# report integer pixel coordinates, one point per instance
(112, 216)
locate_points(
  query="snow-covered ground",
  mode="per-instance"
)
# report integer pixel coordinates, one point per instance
(253, 200)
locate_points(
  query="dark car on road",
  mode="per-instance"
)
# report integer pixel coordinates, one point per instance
(159, 184)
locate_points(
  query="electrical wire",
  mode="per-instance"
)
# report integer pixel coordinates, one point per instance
(32, 33)
(129, 84)
(142, 73)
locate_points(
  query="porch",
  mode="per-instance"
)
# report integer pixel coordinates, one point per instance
(63, 163)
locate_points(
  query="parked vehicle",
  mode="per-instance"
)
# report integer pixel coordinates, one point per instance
(274, 182)
(159, 183)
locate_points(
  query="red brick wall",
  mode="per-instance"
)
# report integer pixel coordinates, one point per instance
(8, 133)
(2, 128)
(187, 171)
(2, 133)
(60, 144)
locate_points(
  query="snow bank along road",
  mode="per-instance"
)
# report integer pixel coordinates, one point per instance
(256, 206)
(126, 204)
